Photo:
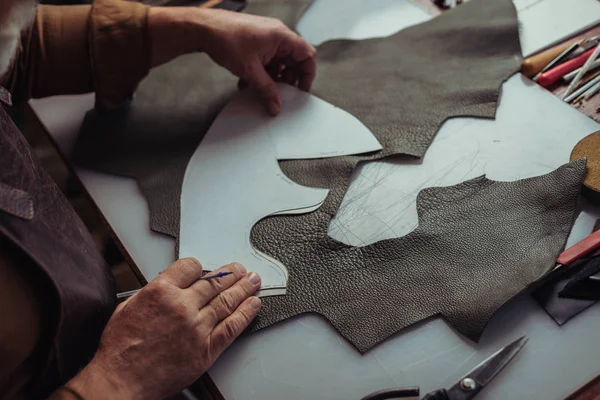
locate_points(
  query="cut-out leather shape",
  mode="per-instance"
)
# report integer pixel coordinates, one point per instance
(560, 309)
(549, 294)
(16, 202)
(442, 71)
(584, 285)
(237, 161)
(414, 80)
(478, 244)
(154, 139)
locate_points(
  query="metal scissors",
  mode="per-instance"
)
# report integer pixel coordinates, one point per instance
(467, 387)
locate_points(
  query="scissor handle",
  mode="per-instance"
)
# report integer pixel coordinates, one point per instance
(394, 393)
(437, 395)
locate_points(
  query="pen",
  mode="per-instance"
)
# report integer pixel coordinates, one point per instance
(130, 293)
(583, 70)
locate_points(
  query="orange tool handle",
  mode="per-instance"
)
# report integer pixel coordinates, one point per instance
(580, 249)
(534, 64)
(549, 77)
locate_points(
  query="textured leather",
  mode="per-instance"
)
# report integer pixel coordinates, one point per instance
(560, 309)
(153, 140)
(439, 70)
(549, 292)
(16, 202)
(40, 222)
(411, 82)
(583, 286)
(5, 97)
(478, 244)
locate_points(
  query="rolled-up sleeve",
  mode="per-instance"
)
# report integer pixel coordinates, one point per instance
(79, 49)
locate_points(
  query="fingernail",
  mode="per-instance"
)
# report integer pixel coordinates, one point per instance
(254, 278)
(240, 267)
(274, 108)
(255, 303)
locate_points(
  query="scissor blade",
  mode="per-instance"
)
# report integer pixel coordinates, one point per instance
(482, 374)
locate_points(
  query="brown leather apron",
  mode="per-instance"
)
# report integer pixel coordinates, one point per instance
(38, 219)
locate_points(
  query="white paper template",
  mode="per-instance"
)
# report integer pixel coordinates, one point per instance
(547, 22)
(533, 134)
(233, 179)
(383, 18)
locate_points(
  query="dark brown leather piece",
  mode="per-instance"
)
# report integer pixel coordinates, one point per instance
(560, 309)
(5, 97)
(16, 202)
(584, 286)
(64, 261)
(153, 140)
(439, 70)
(478, 244)
(549, 294)
(403, 87)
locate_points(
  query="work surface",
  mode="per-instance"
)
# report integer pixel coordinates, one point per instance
(304, 358)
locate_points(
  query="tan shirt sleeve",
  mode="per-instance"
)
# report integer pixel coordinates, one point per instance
(78, 49)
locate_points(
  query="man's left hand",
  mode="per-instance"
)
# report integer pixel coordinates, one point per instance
(259, 50)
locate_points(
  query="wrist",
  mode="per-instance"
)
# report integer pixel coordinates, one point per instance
(175, 31)
(96, 381)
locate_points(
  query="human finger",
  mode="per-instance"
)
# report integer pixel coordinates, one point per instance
(205, 290)
(182, 273)
(290, 76)
(260, 80)
(307, 71)
(231, 327)
(304, 58)
(226, 302)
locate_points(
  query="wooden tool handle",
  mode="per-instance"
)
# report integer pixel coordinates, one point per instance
(534, 64)
(580, 249)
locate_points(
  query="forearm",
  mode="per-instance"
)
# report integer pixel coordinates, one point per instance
(53, 57)
(175, 31)
(78, 49)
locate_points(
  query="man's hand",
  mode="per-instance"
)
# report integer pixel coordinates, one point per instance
(259, 50)
(163, 338)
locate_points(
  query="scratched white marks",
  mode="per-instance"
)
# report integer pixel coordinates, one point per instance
(525, 140)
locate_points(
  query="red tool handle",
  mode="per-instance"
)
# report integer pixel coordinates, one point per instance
(549, 77)
(580, 249)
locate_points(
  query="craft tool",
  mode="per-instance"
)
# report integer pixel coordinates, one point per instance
(569, 77)
(560, 58)
(584, 285)
(592, 91)
(582, 89)
(534, 64)
(589, 88)
(583, 70)
(468, 386)
(578, 250)
(130, 293)
(549, 77)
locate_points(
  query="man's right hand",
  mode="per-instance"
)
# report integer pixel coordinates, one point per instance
(166, 336)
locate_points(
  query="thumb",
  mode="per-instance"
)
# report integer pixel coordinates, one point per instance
(259, 79)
